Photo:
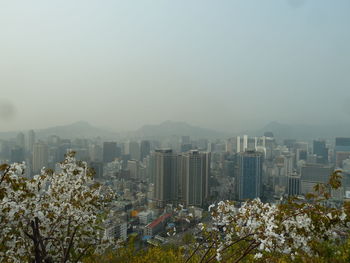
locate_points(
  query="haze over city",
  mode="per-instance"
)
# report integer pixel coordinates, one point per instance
(183, 131)
(228, 65)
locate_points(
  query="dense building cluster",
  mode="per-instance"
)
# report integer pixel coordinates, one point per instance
(153, 177)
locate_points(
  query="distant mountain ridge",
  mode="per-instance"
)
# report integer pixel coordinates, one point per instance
(305, 132)
(165, 129)
(170, 128)
(80, 129)
(83, 129)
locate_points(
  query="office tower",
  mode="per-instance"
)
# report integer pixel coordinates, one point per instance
(341, 150)
(251, 143)
(133, 167)
(294, 184)
(195, 177)
(312, 174)
(321, 151)
(109, 151)
(270, 145)
(145, 149)
(30, 141)
(166, 176)
(243, 143)
(342, 143)
(302, 149)
(249, 175)
(261, 141)
(284, 167)
(40, 156)
(20, 141)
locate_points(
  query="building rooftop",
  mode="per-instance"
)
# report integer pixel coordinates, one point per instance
(158, 220)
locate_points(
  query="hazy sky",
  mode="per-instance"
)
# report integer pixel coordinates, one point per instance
(220, 63)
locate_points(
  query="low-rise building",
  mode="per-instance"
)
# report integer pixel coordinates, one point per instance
(145, 217)
(157, 225)
(116, 229)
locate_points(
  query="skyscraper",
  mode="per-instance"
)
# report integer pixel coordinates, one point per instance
(341, 150)
(320, 149)
(30, 141)
(294, 184)
(145, 149)
(109, 151)
(40, 156)
(166, 176)
(195, 176)
(249, 175)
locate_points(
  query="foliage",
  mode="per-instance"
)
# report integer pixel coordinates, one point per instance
(292, 230)
(129, 254)
(52, 217)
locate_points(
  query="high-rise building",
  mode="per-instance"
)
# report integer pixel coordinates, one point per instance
(249, 175)
(283, 165)
(145, 149)
(166, 176)
(321, 151)
(134, 167)
(341, 150)
(301, 150)
(109, 151)
(195, 177)
(30, 141)
(312, 174)
(40, 156)
(294, 184)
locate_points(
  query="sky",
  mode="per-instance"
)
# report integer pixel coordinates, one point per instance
(227, 64)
